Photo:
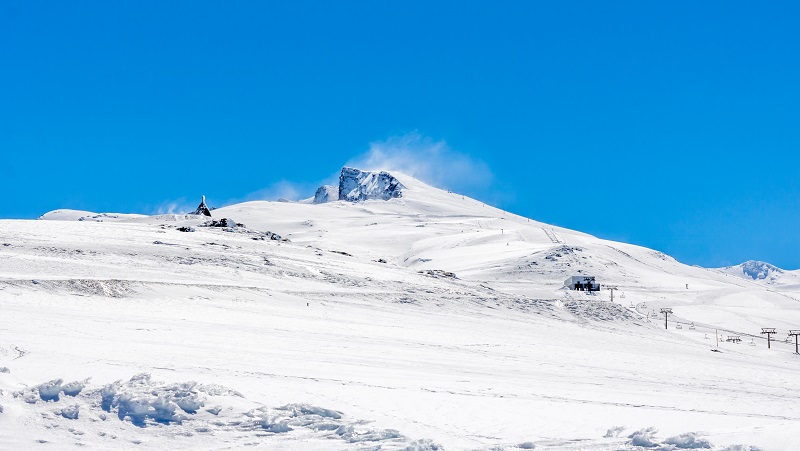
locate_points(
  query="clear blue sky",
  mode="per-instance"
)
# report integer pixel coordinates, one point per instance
(674, 125)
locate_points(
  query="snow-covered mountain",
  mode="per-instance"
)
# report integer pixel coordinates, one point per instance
(755, 270)
(400, 316)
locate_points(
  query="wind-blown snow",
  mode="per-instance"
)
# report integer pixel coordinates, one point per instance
(425, 321)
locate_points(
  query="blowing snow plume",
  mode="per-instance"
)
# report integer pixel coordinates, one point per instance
(433, 162)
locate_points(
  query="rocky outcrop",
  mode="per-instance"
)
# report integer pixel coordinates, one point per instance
(357, 185)
(224, 222)
(326, 193)
(203, 209)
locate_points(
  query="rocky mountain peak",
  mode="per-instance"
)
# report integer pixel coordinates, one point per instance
(357, 185)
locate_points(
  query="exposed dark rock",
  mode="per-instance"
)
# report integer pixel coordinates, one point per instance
(268, 236)
(439, 273)
(224, 222)
(203, 209)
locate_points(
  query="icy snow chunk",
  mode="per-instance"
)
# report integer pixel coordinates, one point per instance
(70, 413)
(275, 425)
(139, 408)
(189, 402)
(644, 437)
(74, 388)
(357, 432)
(141, 400)
(4, 370)
(49, 390)
(614, 431)
(305, 409)
(689, 440)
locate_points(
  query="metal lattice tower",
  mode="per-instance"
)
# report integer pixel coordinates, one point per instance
(612, 292)
(795, 333)
(769, 331)
(666, 312)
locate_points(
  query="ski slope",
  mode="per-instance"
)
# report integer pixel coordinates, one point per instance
(428, 321)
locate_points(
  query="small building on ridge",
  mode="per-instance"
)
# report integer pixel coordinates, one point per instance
(582, 283)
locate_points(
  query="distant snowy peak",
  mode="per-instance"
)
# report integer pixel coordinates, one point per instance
(758, 270)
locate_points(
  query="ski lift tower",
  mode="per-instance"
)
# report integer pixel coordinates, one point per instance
(611, 289)
(795, 333)
(666, 312)
(769, 331)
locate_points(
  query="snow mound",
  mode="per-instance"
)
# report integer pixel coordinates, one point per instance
(51, 391)
(357, 185)
(689, 440)
(644, 437)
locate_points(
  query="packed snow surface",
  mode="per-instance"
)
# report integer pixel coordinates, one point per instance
(426, 321)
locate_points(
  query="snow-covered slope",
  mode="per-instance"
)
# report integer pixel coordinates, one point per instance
(81, 215)
(423, 321)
